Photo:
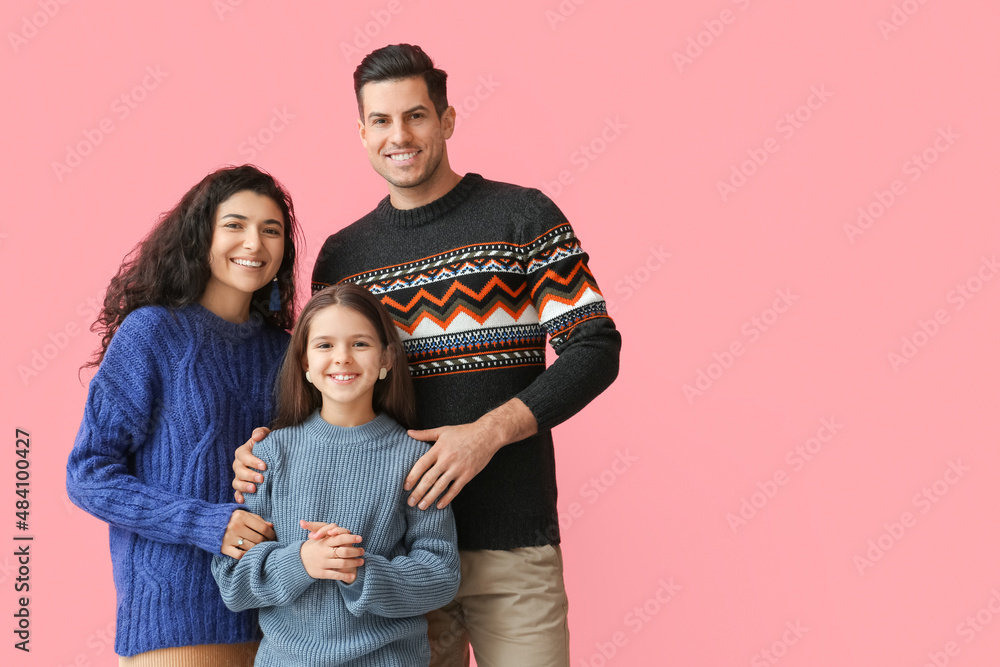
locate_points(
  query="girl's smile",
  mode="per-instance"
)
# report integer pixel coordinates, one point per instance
(343, 357)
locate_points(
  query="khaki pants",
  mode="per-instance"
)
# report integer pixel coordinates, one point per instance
(202, 655)
(511, 606)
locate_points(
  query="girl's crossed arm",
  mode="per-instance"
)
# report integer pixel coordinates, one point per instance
(423, 579)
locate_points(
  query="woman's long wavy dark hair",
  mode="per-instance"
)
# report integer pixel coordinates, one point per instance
(298, 399)
(170, 267)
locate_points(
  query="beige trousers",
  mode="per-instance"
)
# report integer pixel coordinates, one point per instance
(511, 606)
(203, 655)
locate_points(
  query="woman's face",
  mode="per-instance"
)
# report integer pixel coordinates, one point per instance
(248, 242)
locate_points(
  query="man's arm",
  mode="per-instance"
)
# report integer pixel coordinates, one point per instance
(572, 311)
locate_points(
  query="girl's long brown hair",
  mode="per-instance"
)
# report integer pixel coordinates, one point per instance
(297, 399)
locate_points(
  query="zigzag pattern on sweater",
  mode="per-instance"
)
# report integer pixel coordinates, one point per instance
(479, 307)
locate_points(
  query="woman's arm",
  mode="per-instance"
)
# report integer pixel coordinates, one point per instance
(123, 404)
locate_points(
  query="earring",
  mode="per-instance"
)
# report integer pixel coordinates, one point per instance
(275, 304)
(309, 378)
(382, 373)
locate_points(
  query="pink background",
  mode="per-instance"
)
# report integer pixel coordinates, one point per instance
(653, 479)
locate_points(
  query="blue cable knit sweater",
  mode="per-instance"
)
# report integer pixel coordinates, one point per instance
(177, 392)
(353, 477)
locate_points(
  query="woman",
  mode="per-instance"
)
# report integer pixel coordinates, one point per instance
(193, 333)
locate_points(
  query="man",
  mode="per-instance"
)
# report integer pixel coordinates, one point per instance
(475, 274)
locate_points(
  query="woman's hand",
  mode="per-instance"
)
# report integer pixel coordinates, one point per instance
(333, 557)
(244, 530)
(245, 460)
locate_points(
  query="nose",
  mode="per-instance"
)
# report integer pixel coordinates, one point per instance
(401, 134)
(251, 240)
(341, 354)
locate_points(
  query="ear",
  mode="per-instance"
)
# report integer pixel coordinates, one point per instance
(362, 132)
(305, 363)
(387, 358)
(448, 122)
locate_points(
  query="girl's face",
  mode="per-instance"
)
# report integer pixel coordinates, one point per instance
(343, 357)
(248, 243)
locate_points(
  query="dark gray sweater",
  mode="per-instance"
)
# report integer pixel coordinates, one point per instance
(476, 281)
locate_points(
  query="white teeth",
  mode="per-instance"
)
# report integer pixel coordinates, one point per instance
(400, 157)
(342, 377)
(247, 262)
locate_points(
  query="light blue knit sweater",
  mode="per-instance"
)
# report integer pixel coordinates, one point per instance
(352, 477)
(176, 393)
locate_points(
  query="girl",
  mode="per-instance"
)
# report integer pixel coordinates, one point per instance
(193, 333)
(340, 454)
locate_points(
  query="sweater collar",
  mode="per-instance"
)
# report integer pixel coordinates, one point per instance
(231, 330)
(414, 217)
(376, 430)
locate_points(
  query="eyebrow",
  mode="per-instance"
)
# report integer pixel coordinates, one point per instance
(379, 114)
(271, 221)
(352, 337)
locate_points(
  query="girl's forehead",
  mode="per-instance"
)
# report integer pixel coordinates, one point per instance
(340, 321)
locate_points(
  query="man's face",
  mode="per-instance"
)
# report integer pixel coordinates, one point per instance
(402, 133)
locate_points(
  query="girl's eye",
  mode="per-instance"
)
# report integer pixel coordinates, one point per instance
(273, 231)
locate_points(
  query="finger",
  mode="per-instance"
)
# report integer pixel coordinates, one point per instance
(259, 434)
(425, 484)
(453, 490)
(256, 523)
(346, 577)
(342, 541)
(319, 530)
(440, 486)
(420, 468)
(427, 435)
(238, 496)
(245, 456)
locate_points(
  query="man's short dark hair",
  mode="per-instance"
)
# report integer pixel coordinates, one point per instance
(402, 61)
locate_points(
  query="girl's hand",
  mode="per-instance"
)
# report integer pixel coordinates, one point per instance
(332, 557)
(318, 530)
(243, 531)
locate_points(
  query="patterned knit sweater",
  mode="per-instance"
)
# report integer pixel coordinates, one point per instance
(177, 392)
(476, 281)
(352, 476)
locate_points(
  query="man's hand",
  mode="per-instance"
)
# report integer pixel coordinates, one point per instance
(245, 477)
(243, 531)
(461, 452)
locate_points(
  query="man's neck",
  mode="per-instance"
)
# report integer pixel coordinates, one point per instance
(425, 193)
